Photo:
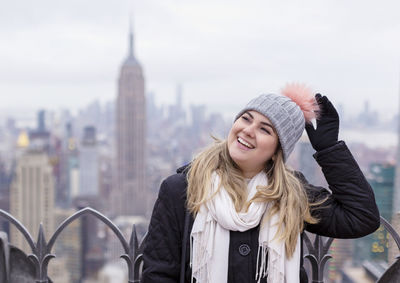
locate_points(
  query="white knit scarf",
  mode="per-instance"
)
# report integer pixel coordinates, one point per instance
(210, 238)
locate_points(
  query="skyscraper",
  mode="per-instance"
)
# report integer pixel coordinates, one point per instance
(88, 163)
(396, 196)
(32, 196)
(393, 249)
(129, 195)
(68, 247)
(375, 246)
(69, 166)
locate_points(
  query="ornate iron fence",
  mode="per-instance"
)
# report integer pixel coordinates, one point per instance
(318, 250)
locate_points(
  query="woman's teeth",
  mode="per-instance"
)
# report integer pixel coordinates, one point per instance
(243, 142)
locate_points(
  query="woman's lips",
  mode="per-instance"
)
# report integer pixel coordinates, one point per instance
(241, 145)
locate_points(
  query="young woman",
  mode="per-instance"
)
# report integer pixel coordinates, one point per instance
(236, 212)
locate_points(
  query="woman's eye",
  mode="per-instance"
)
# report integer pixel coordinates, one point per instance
(245, 118)
(265, 130)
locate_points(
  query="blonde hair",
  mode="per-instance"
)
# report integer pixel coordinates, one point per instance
(284, 190)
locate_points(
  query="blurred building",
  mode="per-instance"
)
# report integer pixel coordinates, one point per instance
(32, 196)
(93, 243)
(382, 182)
(5, 180)
(89, 163)
(39, 138)
(58, 271)
(176, 113)
(394, 250)
(105, 182)
(341, 251)
(113, 272)
(69, 169)
(130, 187)
(351, 274)
(374, 247)
(68, 247)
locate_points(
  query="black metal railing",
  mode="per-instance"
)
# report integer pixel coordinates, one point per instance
(317, 250)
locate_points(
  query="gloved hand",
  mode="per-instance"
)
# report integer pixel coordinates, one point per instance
(327, 131)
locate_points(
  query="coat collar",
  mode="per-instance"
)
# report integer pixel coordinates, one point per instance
(183, 169)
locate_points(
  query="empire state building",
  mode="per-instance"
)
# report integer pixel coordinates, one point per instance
(129, 196)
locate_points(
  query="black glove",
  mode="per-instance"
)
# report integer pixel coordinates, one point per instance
(327, 131)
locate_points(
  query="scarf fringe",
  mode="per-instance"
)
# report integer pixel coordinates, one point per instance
(261, 268)
(199, 257)
(271, 265)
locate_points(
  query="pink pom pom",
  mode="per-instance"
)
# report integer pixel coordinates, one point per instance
(304, 98)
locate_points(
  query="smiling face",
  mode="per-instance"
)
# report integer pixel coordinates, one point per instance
(252, 141)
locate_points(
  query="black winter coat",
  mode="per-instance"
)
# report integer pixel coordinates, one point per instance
(350, 211)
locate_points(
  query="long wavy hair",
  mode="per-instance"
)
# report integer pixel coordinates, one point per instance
(284, 190)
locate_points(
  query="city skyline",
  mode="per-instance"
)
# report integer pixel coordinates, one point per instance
(139, 144)
(27, 118)
(65, 56)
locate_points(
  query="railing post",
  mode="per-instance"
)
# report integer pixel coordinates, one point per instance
(318, 256)
(392, 274)
(41, 251)
(41, 257)
(5, 257)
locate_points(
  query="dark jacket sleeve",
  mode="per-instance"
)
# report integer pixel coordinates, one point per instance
(350, 210)
(162, 250)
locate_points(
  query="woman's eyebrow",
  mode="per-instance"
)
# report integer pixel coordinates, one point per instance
(267, 124)
(264, 123)
(248, 113)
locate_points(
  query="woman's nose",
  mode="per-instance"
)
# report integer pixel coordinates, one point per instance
(249, 130)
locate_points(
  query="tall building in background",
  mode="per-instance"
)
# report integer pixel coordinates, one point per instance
(382, 182)
(68, 248)
(393, 249)
(5, 177)
(176, 113)
(39, 138)
(32, 196)
(374, 247)
(130, 196)
(89, 163)
(69, 168)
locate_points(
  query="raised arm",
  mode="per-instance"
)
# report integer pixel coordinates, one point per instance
(350, 211)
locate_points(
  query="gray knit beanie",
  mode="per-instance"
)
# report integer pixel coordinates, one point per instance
(285, 115)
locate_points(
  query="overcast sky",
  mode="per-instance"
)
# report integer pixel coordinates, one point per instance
(56, 54)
